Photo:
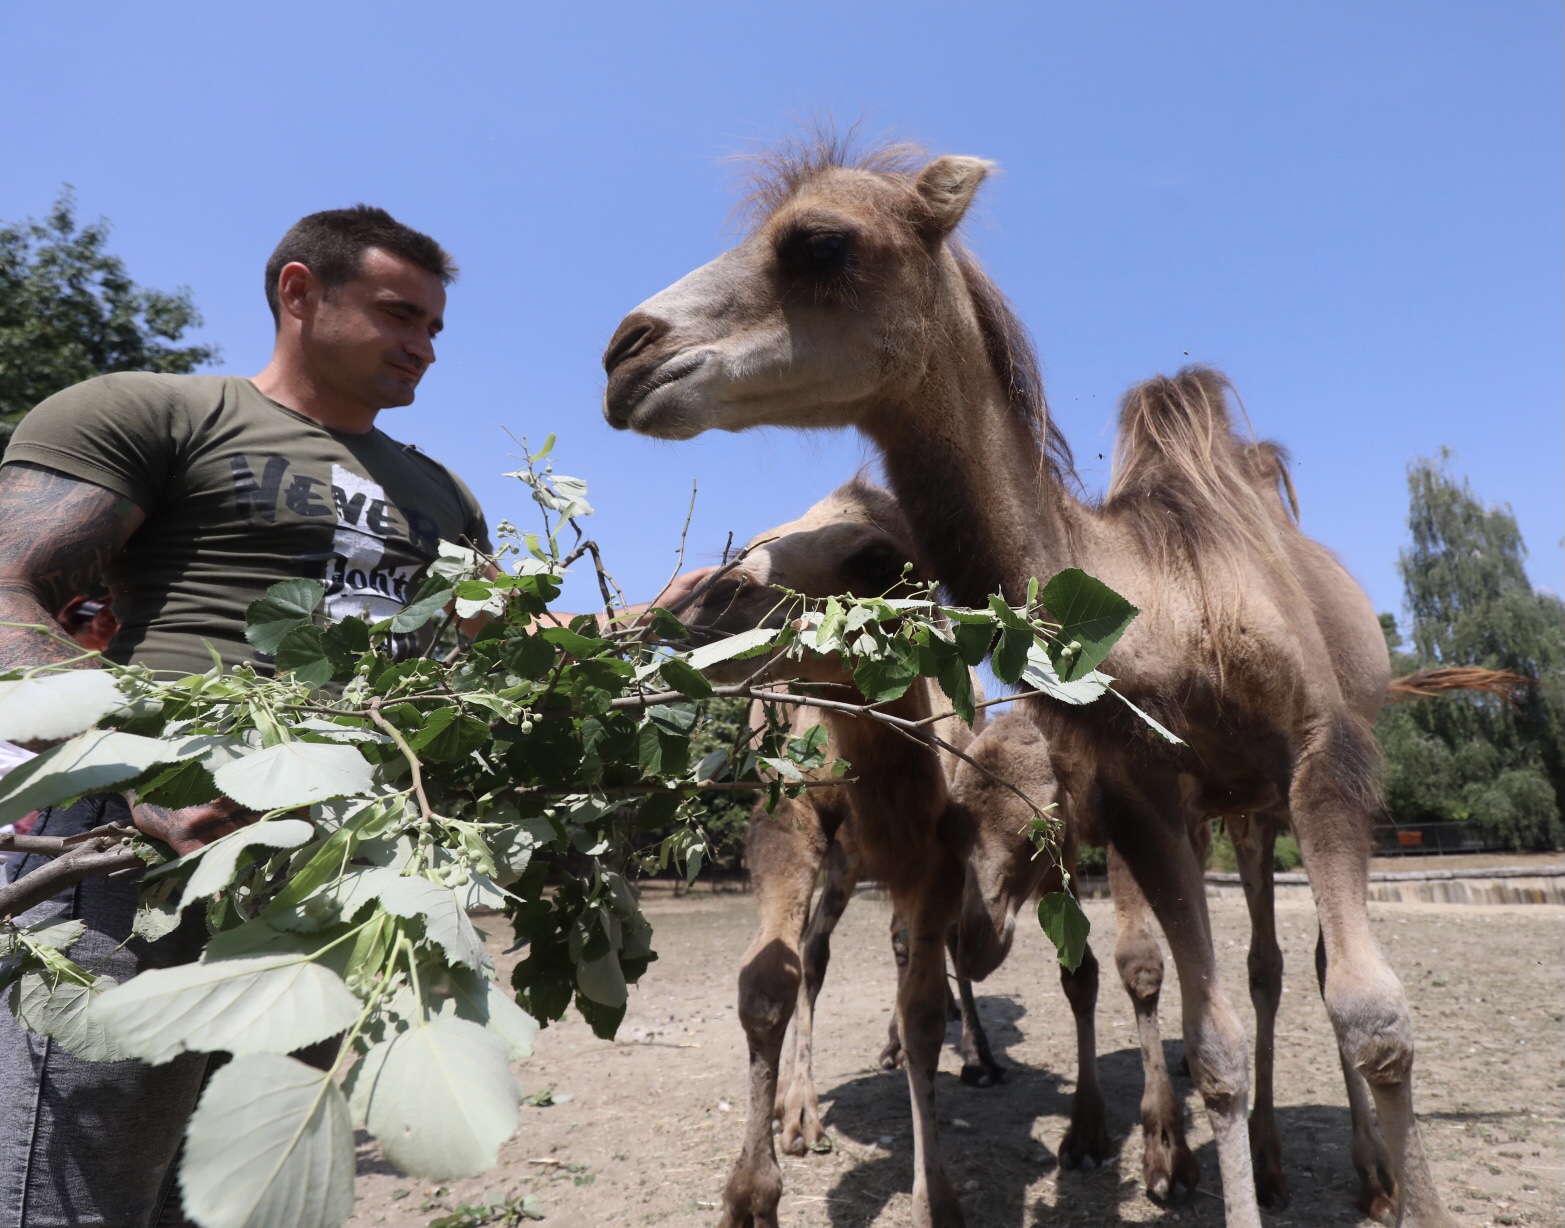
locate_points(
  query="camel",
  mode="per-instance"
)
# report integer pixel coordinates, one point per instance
(893, 818)
(850, 304)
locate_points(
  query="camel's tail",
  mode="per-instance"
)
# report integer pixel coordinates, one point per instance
(1510, 687)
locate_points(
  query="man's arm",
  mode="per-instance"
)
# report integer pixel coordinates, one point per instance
(56, 535)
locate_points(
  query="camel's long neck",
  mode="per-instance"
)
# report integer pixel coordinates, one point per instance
(968, 474)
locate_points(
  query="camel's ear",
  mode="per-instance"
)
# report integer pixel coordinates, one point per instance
(948, 186)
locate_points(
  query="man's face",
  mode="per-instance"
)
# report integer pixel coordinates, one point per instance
(371, 339)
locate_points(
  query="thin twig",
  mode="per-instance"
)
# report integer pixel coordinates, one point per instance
(53, 846)
(728, 545)
(679, 558)
(99, 856)
(715, 786)
(702, 589)
(407, 753)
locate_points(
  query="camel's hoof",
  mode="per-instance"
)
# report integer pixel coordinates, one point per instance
(941, 1210)
(1271, 1187)
(1086, 1143)
(1170, 1169)
(976, 1075)
(1378, 1195)
(751, 1197)
(890, 1057)
(800, 1137)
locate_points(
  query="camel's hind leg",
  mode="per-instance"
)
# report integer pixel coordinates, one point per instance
(979, 1067)
(1087, 1140)
(1253, 840)
(1151, 836)
(784, 850)
(1330, 800)
(928, 911)
(1167, 1163)
(1377, 1188)
(798, 1108)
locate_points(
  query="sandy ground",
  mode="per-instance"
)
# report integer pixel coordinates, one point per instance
(653, 1120)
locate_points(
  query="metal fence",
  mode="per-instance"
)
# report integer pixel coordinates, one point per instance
(1426, 839)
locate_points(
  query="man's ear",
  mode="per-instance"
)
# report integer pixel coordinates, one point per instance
(297, 290)
(948, 186)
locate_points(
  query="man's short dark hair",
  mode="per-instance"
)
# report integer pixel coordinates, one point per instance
(332, 243)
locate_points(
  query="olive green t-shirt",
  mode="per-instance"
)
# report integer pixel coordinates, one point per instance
(240, 493)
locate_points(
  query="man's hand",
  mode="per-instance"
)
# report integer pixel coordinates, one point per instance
(193, 827)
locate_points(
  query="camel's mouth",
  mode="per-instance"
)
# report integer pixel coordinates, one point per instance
(647, 401)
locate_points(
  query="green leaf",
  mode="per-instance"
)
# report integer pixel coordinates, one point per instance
(1166, 734)
(485, 1002)
(1092, 617)
(56, 705)
(602, 980)
(59, 1010)
(261, 1004)
(973, 634)
(97, 761)
(286, 606)
(884, 678)
(1066, 925)
(302, 653)
(440, 1098)
(57, 933)
(578, 646)
(687, 681)
(666, 626)
(1040, 674)
(749, 643)
(270, 1143)
(215, 863)
(414, 615)
(1010, 654)
(294, 774)
(184, 784)
(448, 736)
(445, 920)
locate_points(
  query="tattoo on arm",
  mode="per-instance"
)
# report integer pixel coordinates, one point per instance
(57, 534)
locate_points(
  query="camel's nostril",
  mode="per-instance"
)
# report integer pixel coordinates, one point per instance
(634, 334)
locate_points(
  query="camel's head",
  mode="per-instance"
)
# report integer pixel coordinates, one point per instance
(1001, 873)
(828, 310)
(853, 541)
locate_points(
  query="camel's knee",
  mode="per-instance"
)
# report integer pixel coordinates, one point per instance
(1374, 1025)
(1140, 964)
(1081, 986)
(1219, 1056)
(768, 990)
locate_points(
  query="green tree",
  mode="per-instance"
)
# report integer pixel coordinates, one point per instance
(69, 311)
(1476, 757)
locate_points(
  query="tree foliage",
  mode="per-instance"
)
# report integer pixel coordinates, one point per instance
(1469, 602)
(69, 311)
(534, 772)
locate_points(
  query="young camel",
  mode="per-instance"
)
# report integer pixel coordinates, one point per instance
(893, 818)
(849, 304)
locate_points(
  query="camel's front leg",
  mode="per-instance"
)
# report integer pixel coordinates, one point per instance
(1254, 841)
(798, 1106)
(891, 1056)
(1168, 1165)
(921, 1012)
(1157, 849)
(1329, 802)
(784, 851)
(1377, 1196)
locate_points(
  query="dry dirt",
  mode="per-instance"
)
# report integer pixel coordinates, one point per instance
(654, 1118)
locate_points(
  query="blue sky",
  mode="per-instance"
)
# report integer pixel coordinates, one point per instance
(1355, 210)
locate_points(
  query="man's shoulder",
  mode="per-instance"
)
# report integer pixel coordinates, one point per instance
(434, 469)
(132, 389)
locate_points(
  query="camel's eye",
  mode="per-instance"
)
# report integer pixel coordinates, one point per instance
(819, 254)
(875, 567)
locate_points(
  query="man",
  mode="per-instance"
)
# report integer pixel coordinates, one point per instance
(189, 496)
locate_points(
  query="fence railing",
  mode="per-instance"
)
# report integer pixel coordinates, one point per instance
(1426, 839)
